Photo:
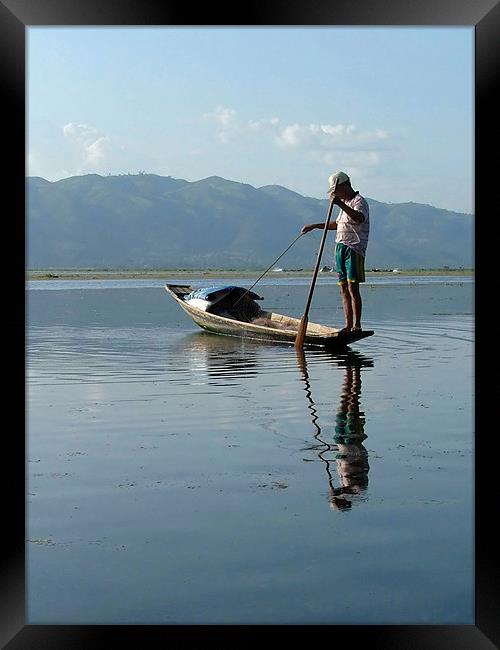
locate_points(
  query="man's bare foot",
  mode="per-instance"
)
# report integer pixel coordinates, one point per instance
(356, 329)
(344, 330)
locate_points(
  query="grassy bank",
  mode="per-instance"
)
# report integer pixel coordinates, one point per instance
(189, 274)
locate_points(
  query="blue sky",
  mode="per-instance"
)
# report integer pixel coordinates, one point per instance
(393, 107)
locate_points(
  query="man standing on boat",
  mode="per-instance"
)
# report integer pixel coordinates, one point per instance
(353, 228)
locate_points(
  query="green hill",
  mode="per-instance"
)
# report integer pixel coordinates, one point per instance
(145, 220)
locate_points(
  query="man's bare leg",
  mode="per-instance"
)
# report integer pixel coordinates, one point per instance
(356, 305)
(347, 305)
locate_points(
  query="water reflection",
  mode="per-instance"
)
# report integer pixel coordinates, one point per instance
(221, 360)
(348, 451)
(212, 359)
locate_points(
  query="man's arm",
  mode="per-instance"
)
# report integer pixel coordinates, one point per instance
(311, 226)
(355, 215)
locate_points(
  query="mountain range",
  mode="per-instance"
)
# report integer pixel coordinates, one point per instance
(150, 221)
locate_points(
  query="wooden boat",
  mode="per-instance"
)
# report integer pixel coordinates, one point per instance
(283, 331)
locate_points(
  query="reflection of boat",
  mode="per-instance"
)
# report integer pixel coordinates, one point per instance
(280, 328)
(218, 359)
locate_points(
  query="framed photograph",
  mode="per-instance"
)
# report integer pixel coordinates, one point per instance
(174, 482)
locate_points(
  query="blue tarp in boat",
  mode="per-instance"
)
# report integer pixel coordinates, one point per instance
(214, 294)
(230, 301)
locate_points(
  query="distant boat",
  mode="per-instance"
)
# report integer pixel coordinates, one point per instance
(272, 327)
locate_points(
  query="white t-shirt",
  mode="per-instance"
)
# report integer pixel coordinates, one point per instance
(351, 233)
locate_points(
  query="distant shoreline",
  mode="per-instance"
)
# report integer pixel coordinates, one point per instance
(165, 274)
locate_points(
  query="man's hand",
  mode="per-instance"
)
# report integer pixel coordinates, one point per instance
(307, 228)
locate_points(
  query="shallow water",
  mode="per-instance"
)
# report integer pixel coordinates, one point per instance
(176, 476)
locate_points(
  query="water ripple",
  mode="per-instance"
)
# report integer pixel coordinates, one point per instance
(125, 355)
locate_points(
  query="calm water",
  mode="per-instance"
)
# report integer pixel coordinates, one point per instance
(176, 476)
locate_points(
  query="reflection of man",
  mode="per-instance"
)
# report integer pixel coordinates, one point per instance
(352, 457)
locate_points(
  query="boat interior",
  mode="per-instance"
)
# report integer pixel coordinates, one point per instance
(263, 318)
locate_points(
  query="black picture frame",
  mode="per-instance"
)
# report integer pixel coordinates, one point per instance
(484, 16)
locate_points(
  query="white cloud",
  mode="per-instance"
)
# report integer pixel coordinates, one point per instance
(58, 151)
(333, 137)
(258, 125)
(290, 136)
(335, 130)
(90, 145)
(96, 151)
(321, 146)
(322, 142)
(221, 115)
(225, 119)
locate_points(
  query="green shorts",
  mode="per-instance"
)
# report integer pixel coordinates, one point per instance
(349, 264)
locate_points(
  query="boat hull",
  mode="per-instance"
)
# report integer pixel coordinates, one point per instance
(316, 335)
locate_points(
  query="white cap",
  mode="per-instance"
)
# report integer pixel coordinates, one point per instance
(336, 179)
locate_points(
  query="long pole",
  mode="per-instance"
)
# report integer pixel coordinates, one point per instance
(301, 334)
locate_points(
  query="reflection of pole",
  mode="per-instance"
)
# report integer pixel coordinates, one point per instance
(335, 500)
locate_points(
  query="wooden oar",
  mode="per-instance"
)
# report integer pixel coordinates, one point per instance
(301, 334)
